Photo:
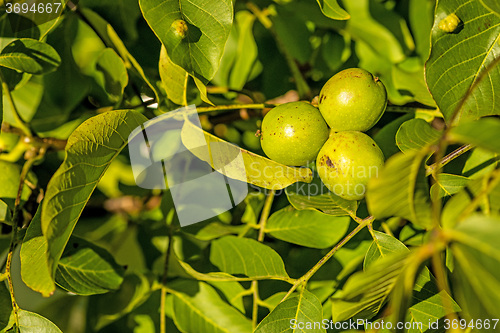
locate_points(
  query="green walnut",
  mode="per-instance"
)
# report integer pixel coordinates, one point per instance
(347, 161)
(352, 100)
(293, 133)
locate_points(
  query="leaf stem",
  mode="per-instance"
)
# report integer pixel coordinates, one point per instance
(447, 159)
(319, 264)
(13, 242)
(184, 90)
(163, 290)
(15, 112)
(234, 107)
(266, 210)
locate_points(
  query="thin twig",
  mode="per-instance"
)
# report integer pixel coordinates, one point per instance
(13, 242)
(266, 210)
(319, 264)
(447, 159)
(163, 295)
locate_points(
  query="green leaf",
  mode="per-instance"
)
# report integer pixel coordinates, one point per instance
(30, 322)
(477, 261)
(317, 197)
(386, 137)
(307, 227)
(365, 27)
(415, 134)
(123, 14)
(492, 5)
(9, 178)
(365, 292)
(198, 308)
(421, 16)
(172, 77)
(193, 32)
(233, 291)
(409, 78)
(428, 302)
(479, 133)
(87, 269)
(111, 74)
(297, 313)
(479, 163)
(5, 213)
(448, 185)
(29, 56)
(6, 306)
(458, 58)
(110, 37)
(107, 308)
(258, 171)
(332, 9)
(34, 258)
(383, 245)
(247, 65)
(246, 256)
(89, 151)
(401, 190)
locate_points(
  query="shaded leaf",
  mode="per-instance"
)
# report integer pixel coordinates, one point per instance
(111, 74)
(307, 227)
(458, 58)
(198, 308)
(246, 256)
(87, 269)
(259, 170)
(29, 56)
(448, 185)
(6, 306)
(34, 258)
(415, 134)
(193, 32)
(365, 292)
(89, 151)
(477, 258)
(401, 190)
(294, 315)
(107, 308)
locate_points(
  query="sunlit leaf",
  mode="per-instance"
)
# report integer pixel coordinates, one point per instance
(401, 190)
(332, 9)
(197, 307)
(459, 58)
(307, 227)
(415, 134)
(29, 56)
(30, 322)
(89, 151)
(294, 314)
(194, 32)
(246, 256)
